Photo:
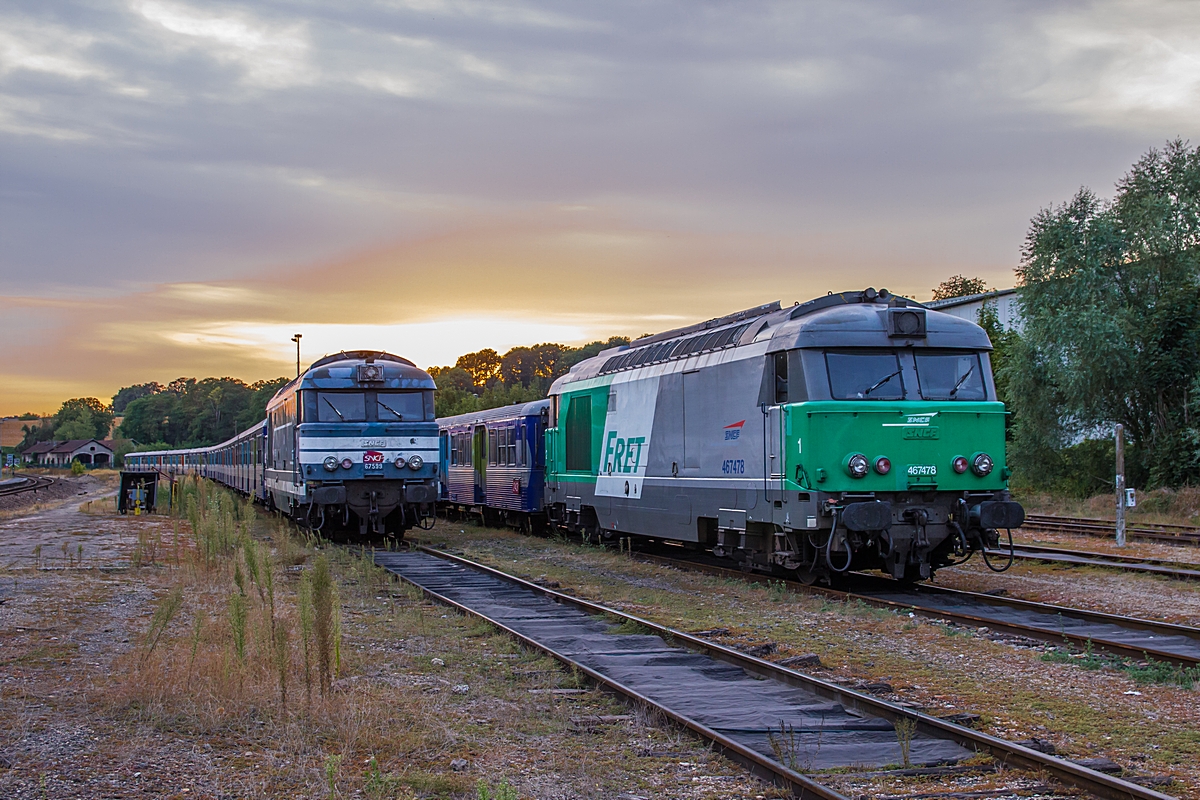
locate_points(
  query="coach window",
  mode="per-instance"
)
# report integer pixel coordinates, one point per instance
(780, 369)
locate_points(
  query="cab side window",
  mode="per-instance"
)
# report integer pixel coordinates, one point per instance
(779, 365)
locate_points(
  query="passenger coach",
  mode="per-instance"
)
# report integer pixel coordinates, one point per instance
(494, 464)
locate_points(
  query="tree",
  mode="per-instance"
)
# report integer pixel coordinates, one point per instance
(485, 379)
(452, 378)
(483, 366)
(85, 416)
(1004, 342)
(130, 393)
(82, 426)
(198, 413)
(958, 286)
(1111, 302)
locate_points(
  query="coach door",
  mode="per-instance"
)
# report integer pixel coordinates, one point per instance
(479, 453)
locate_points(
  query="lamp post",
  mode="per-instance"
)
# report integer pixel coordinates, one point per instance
(296, 339)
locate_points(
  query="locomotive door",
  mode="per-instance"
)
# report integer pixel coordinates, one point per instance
(773, 457)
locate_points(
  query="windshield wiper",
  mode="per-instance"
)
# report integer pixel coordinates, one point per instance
(399, 416)
(881, 382)
(961, 380)
(331, 405)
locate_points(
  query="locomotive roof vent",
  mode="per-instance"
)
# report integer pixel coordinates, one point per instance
(905, 323)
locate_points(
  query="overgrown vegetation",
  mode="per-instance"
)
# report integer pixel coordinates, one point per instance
(1143, 672)
(1111, 304)
(240, 648)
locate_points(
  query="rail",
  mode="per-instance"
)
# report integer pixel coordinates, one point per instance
(1011, 753)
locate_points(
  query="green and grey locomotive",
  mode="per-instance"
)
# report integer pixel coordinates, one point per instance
(856, 431)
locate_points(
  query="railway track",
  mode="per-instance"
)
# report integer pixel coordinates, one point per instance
(1124, 636)
(1172, 534)
(1181, 570)
(24, 483)
(729, 698)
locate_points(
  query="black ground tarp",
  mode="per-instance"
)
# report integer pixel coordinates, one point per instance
(1050, 621)
(798, 727)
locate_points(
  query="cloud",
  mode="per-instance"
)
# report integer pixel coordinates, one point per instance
(1125, 64)
(175, 172)
(270, 56)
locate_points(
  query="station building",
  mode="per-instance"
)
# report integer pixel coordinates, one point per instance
(89, 452)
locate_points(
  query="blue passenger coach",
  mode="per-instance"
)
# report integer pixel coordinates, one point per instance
(494, 464)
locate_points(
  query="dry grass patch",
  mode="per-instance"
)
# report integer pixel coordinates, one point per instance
(235, 657)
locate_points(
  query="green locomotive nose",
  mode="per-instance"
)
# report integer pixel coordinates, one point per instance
(871, 446)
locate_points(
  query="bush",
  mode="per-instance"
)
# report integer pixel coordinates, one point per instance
(77, 468)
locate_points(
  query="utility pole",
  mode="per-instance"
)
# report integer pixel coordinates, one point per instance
(1120, 485)
(296, 339)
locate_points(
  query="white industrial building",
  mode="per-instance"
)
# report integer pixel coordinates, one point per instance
(1006, 303)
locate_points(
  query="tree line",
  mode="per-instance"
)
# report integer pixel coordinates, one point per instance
(486, 379)
(183, 413)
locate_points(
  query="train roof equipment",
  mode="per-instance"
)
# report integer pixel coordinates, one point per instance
(866, 318)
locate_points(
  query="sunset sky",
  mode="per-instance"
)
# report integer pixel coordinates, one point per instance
(184, 185)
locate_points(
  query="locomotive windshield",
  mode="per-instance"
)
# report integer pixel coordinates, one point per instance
(950, 376)
(399, 406)
(371, 406)
(864, 376)
(341, 407)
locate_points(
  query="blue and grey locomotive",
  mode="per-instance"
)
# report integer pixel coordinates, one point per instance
(351, 443)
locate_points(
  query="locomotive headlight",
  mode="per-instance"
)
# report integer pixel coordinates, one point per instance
(883, 465)
(857, 465)
(330, 463)
(416, 462)
(981, 465)
(960, 464)
(347, 463)
(400, 461)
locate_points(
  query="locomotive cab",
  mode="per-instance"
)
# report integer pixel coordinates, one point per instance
(887, 441)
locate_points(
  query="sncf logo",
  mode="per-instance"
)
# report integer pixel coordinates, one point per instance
(734, 431)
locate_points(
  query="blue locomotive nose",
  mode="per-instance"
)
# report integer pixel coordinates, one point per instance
(351, 443)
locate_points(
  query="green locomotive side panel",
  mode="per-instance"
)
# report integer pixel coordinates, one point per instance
(574, 446)
(921, 439)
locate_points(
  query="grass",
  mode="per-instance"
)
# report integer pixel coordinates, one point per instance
(248, 620)
(1149, 671)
